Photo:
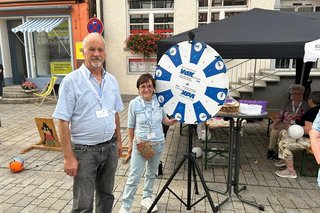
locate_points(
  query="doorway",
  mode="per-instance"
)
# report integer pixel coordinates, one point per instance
(17, 53)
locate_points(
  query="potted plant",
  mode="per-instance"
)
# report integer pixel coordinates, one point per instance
(144, 43)
(28, 86)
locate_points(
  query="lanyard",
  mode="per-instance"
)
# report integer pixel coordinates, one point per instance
(95, 92)
(294, 109)
(149, 116)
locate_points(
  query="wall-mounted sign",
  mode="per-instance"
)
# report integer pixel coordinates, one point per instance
(142, 65)
(79, 54)
(192, 83)
(94, 25)
(60, 68)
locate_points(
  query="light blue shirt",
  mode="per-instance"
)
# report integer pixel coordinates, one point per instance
(145, 123)
(316, 126)
(80, 97)
(316, 122)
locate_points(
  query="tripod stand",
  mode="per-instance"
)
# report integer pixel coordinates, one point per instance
(192, 166)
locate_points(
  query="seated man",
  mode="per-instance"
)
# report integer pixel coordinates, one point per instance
(293, 110)
(287, 144)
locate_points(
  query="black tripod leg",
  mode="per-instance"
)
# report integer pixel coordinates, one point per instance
(195, 180)
(166, 185)
(205, 187)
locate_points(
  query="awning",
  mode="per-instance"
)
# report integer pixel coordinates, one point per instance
(39, 25)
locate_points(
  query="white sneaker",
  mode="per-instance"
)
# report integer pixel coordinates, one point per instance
(286, 174)
(0, 97)
(147, 202)
(123, 210)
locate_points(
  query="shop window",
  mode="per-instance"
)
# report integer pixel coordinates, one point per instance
(52, 51)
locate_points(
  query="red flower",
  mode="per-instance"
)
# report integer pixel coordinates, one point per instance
(144, 43)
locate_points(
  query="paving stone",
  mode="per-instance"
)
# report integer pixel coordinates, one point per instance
(44, 187)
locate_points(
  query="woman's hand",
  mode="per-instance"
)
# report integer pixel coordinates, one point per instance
(129, 150)
(276, 124)
(172, 121)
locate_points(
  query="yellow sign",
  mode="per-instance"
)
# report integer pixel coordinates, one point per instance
(59, 68)
(79, 54)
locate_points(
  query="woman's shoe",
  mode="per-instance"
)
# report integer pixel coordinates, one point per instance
(280, 163)
(286, 174)
(275, 157)
(270, 154)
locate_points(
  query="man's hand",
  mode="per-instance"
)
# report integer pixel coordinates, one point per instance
(71, 166)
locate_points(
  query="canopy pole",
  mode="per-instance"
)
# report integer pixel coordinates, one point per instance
(191, 36)
(302, 73)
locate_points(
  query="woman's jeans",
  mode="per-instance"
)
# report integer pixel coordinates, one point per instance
(96, 174)
(137, 166)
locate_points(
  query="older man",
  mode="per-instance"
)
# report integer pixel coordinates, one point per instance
(89, 126)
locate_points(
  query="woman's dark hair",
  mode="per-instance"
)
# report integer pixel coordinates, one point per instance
(144, 78)
(315, 97)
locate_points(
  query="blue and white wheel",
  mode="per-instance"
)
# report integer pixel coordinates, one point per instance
(191, 82)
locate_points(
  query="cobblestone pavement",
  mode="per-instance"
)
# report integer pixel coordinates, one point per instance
(44, 187)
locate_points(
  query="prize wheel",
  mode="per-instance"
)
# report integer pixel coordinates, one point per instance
(191, 82)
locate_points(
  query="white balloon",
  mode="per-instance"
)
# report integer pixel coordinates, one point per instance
(197, 151)
(295, 131)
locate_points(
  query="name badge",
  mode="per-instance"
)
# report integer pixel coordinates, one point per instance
(151, 135)
(102, 113)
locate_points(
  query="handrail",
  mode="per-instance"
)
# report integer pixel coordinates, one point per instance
(237, 64)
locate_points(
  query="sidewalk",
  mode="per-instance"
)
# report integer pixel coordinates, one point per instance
(44, 187)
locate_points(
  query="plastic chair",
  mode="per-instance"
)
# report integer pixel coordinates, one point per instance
(46, 92)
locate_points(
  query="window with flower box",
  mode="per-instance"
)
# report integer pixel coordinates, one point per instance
(148, 18)
(214, 10)
(151, 15)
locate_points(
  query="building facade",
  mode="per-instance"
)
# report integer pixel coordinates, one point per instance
(39, 38)
(42, 38)
(171, 17)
